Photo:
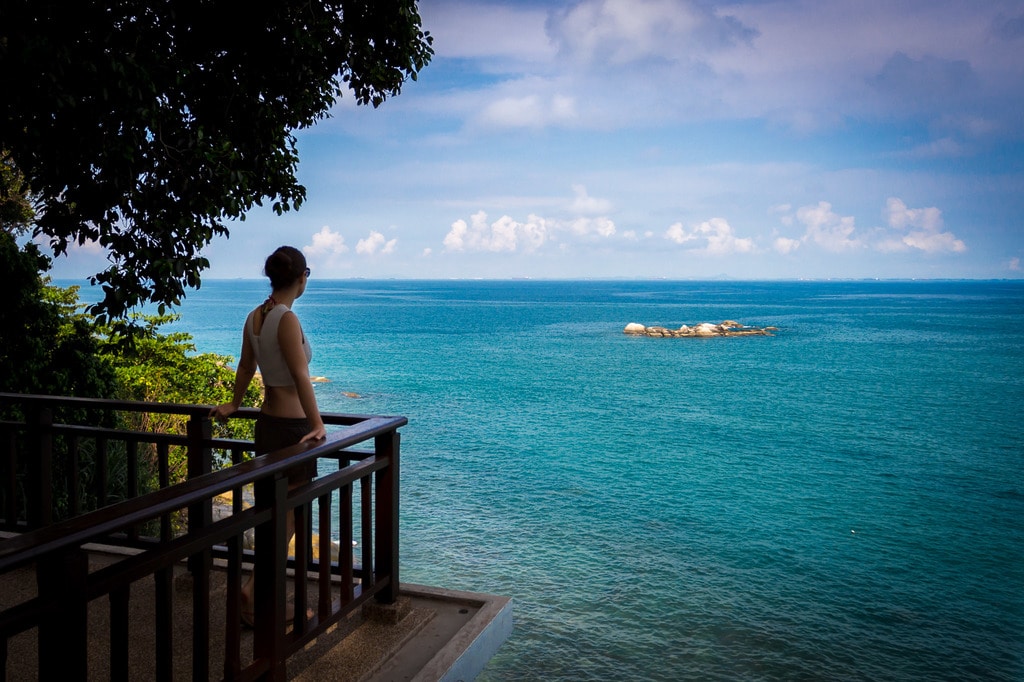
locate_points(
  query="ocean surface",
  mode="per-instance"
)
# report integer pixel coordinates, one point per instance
(843, 500)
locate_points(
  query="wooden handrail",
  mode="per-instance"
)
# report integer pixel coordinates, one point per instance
(37, 424)
(91, 526)
(65, 583)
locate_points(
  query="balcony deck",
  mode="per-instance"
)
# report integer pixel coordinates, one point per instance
(102, 577)
(427, 634)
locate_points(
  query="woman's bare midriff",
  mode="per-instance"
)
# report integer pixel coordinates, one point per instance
(282, 401)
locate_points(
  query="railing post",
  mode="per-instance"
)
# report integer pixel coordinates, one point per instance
(386, 564)
(200, 461)
(200, 454)
(270, 567)
(10, 483)
(40, 509)
(63, 638)
(200, 515)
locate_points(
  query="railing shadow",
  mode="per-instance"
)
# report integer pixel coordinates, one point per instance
(356, 495)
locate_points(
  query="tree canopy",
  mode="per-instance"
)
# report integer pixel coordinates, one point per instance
(147, 126)
(46, 347)
(49, 346)
(16, 212)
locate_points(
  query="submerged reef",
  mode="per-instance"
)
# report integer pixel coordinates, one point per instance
(704, 329)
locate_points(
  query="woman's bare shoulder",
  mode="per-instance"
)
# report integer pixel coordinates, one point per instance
(289, 323)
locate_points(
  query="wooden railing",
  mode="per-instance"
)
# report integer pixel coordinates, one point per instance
(356, 492)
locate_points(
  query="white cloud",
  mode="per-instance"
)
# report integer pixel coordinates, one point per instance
(944, 242)
(581, 227)
(923, 227)
(604, 64)
(458, 236)
(909, 229)
(785, 245)
(678, 234)
(90, 247)
(828, 229)
(326, 243)
(529, 111)
(376, 243)
(504, 234)
(624, 31)
(326, 250)
(900, 217)
(896, 54)
(486, 31)
(510, 235)
(715, 237)
(477, 235)
(586, 204)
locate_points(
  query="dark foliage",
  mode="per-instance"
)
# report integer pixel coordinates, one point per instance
(44, 346)
(16, 211)
(146, 126)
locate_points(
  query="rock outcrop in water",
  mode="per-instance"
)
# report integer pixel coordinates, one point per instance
(704, 329)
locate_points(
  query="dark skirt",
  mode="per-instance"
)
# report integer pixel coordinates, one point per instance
(274, 433)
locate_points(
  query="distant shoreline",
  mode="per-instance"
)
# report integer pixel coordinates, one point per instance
(620, 280)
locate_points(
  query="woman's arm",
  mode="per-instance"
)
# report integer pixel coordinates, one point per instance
(243, 377)
(289, 337)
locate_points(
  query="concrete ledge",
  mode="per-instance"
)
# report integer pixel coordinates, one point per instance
(468, 652)
(429, 635)
(467, 630)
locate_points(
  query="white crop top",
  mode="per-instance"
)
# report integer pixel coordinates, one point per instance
(271, 362)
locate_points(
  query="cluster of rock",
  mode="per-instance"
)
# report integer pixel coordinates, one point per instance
(704, 329)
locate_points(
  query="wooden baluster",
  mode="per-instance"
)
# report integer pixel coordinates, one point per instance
(366, 526)
(40, 505)
(102, 472)
(200, 461)
(63, 639)
(11, 481)
(163, 623)
(345, 552)
(200, 515)
(386, 563)
(131, 454)
(119, 633)
(324, 566)
(302, 545)
(75, 482)
(271, 564)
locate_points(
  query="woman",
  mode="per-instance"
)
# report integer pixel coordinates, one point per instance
(273, 342)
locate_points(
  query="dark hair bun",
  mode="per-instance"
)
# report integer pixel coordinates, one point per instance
(284, 267)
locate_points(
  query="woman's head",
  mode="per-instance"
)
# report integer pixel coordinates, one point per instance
(285, 267)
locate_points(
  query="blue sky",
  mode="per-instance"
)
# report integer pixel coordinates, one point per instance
(680, 139)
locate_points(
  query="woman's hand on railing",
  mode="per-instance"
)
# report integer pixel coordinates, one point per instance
(223, 411)
(316, 434)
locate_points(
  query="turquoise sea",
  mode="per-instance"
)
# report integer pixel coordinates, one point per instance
(843, 500)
